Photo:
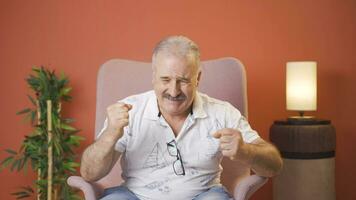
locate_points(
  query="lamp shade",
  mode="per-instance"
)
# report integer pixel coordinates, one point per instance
(301, 86)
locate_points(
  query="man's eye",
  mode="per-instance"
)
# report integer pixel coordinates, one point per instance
(185, 81)
(165, 80)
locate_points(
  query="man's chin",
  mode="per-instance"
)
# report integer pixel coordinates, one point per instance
(174, 108)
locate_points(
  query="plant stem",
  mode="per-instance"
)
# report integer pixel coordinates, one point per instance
(39, 169)
(50, 154)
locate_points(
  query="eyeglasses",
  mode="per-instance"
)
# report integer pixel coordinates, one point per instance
(174, 151)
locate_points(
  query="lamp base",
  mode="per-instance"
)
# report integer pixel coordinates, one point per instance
(303, 120)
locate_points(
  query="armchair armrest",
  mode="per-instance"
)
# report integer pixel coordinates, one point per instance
(248, 186)
(87, 188)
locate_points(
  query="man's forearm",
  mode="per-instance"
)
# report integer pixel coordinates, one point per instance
(263, 158)
(99, 158)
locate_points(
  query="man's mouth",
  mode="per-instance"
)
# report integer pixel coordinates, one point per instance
(180, 97)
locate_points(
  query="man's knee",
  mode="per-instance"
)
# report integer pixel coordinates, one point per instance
(214, 193)
(119, 192)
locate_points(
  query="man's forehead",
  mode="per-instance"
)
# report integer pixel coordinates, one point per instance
(181, 73)
(162, 61)
(178, 77)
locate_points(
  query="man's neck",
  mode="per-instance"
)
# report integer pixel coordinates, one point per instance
(176, 121)
(176, 117)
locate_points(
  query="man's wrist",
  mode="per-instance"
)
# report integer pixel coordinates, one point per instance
(110, 136)
(245, 154)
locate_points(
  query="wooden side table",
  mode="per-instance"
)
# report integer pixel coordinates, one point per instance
(308, 151)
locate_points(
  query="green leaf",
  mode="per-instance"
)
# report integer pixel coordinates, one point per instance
(32, 100)
(27, 118)
(65, 91)
(33, 165)
(19, 165)
(75, 139)
(36, 69)
(42, 181)
(10, 151)
(18, 193)
(57, 148)
(66, 98)
(62, 75)
(14, 165)
(63, 82)
(67, 127)
(6, 162)
(33, 117)
(23, 196)
(27, 188)
(74, 132)
(24, 193)
(68, 120)
(26, 110)
(71, 166)
(25, 167)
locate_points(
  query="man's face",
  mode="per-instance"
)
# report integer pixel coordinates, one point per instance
(175, 81)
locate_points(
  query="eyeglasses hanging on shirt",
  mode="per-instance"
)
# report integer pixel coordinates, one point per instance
(173, 150)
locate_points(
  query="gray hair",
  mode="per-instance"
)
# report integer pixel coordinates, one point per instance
(180, 46)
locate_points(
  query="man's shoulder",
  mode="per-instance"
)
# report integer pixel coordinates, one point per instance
(211, 101)
(216, 106)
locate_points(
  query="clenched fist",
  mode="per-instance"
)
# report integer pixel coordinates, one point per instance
(230, 142)
(118, 118)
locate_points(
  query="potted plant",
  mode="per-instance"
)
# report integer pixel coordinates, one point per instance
(49, 147)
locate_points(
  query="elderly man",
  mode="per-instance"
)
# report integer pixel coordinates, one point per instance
(171, 140)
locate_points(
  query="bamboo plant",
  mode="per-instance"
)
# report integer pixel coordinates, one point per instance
(49, 147)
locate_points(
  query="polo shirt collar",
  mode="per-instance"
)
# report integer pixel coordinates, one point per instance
(198, 108)
(152, 112)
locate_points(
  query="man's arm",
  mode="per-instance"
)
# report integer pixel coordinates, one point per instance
(263, 158)
(100, 157)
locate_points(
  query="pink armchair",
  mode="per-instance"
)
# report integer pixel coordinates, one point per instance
(223, 78)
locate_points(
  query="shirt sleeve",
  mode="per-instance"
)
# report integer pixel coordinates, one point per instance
(237, 121)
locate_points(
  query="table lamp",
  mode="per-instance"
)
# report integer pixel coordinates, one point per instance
(301, 87)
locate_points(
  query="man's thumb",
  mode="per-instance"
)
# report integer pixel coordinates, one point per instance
(217, 135)
(128, 106)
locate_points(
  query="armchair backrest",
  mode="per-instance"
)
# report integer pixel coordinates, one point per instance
(223, 79)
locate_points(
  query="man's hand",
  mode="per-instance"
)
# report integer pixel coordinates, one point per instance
(118, 118)
(230, 142)
(262, 157)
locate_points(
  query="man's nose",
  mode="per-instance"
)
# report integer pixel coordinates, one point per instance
(174, 88)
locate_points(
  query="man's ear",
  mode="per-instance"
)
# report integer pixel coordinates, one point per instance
(198, 78)
(153, 74)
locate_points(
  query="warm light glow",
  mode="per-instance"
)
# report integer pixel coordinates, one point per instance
(301, 86)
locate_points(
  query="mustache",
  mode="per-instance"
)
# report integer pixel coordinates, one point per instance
(180, 97)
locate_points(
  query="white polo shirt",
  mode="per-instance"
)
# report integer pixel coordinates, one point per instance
(147, 161)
